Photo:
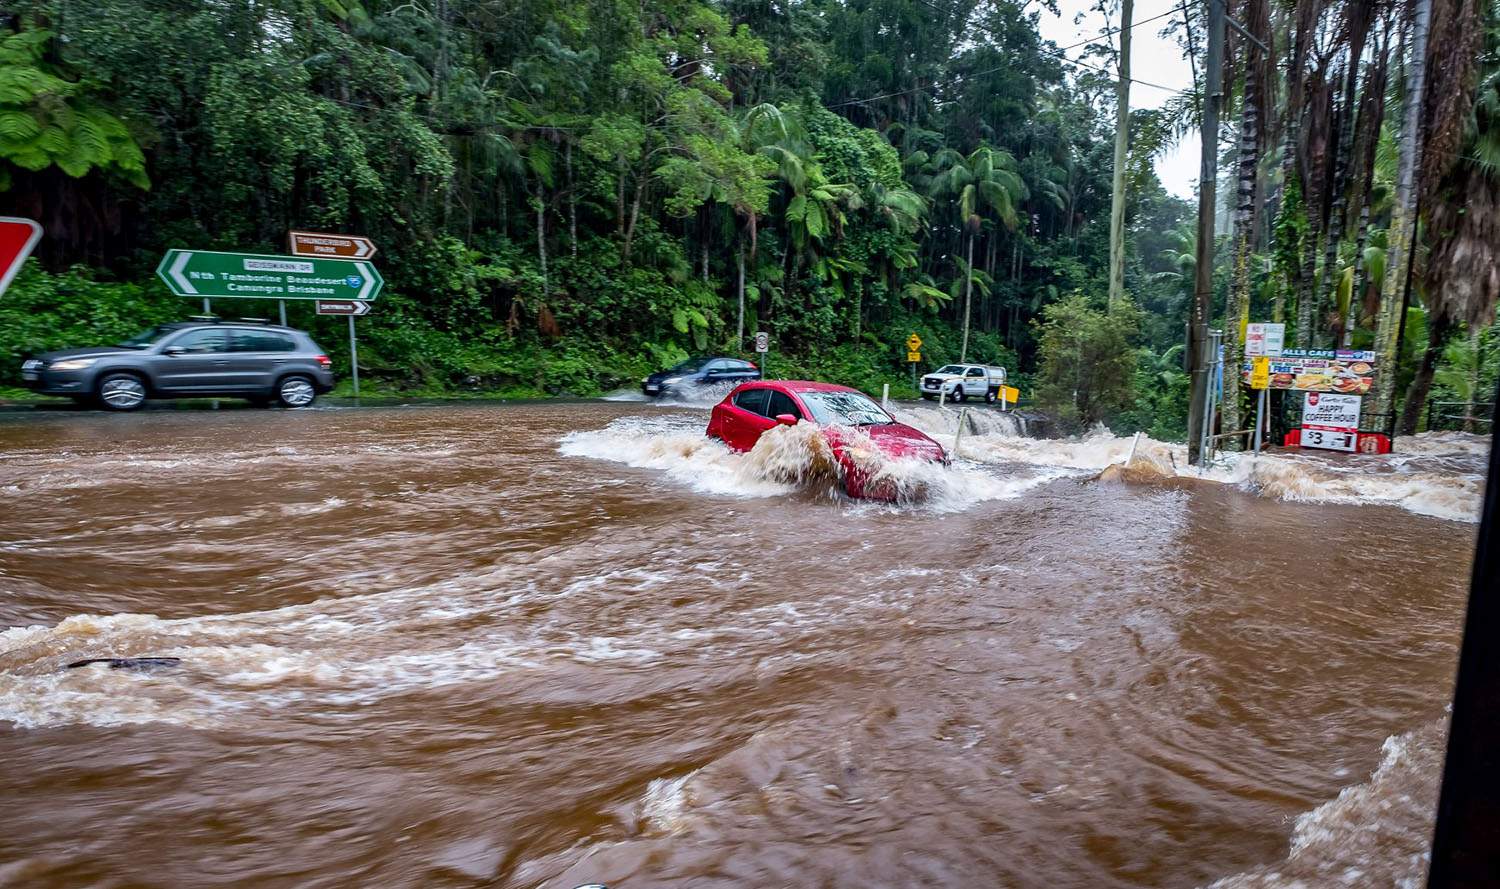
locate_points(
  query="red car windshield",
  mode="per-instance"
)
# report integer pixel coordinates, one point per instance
(844, 409)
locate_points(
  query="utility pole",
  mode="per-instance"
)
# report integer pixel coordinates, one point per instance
(1203, 279)
(1122, 141)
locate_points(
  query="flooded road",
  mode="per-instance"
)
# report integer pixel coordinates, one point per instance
(545, 645)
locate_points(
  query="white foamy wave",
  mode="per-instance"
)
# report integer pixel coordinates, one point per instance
(322, 659)
(663, 806)
(678, 447)
(787, 459)
(1456, 498)
(1443, 444)
(1433, 474)
(1373, 834)
(976, 421)
(678, 396)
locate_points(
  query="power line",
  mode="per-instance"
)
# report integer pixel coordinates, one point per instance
(1113, 31)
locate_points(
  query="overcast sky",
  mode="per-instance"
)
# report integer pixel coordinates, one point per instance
(1153, 59)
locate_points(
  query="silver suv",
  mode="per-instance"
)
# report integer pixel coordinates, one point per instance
(243, 359)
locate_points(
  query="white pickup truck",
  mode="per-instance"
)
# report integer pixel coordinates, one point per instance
(960, 382)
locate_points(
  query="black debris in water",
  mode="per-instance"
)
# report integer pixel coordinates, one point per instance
(129, 663)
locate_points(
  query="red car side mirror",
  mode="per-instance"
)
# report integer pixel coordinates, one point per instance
(786, 419)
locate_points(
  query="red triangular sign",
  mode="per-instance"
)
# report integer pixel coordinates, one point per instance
(17, 237)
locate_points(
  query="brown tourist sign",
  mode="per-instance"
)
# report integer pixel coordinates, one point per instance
(330, 246)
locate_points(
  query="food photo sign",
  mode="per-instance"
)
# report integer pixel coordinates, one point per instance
(1343, 371)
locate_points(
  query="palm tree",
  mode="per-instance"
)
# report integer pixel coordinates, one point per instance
(985, 179)
(1403, 222)
(1461, 189)
(1237, 312)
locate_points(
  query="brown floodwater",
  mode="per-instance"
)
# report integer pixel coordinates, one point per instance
(554, 644)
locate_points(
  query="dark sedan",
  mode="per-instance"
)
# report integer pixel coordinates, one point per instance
(697, 372)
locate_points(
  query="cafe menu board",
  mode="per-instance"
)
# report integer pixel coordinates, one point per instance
(1343, 371)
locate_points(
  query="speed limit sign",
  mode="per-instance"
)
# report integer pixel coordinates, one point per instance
(762, 342)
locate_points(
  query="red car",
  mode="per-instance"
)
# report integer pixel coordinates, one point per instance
(752, 408)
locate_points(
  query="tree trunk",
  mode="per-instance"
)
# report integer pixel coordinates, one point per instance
(1421, 384)
(1398, 243)
(739, 331)
(541, 238)
(1122, 141)
(620, 202)
(1371, 112)
(1306, 293)
(635, 215)
(1237, 311)
(1304, 20)
(963, 350)
(572, 204)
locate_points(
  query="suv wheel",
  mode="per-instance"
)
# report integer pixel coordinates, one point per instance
(958, 394)
(122, 392)
(295, 391)
(990, 396)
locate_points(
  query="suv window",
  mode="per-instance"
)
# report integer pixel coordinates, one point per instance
(782, 403)
(202, 341)
(753, 400)
(715, 366)
(974, 372)
(260, 341)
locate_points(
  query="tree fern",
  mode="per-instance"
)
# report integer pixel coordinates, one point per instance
(47, 120)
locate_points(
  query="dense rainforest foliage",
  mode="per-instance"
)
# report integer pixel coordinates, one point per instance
(569, 193)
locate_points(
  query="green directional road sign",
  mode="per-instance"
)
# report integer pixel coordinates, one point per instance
(254, 276)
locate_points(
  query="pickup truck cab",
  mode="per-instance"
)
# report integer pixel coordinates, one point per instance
(960, 382)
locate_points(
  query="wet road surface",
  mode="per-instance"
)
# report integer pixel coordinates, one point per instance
(543, 645)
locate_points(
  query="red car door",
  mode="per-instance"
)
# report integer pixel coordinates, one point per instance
(740, 419)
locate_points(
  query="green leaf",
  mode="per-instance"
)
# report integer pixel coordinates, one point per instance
(18, 126)
(816, 221)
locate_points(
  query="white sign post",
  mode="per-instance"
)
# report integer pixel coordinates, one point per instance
(762, 342)
(1330, 421)
(1264, 340)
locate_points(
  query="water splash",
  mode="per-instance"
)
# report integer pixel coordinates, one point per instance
(1376, 833)
(793, 459)
(1433, 474)
(977, 421)
(681, 395)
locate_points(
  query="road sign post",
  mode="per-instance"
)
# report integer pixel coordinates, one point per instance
(913, 355)
(350, 308)
(1260, 381)
(212, 274)
(353, 357)
(18, 237)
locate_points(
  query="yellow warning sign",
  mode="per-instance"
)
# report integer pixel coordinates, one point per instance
(913, 344)
(1260, 373)
(913, 357)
